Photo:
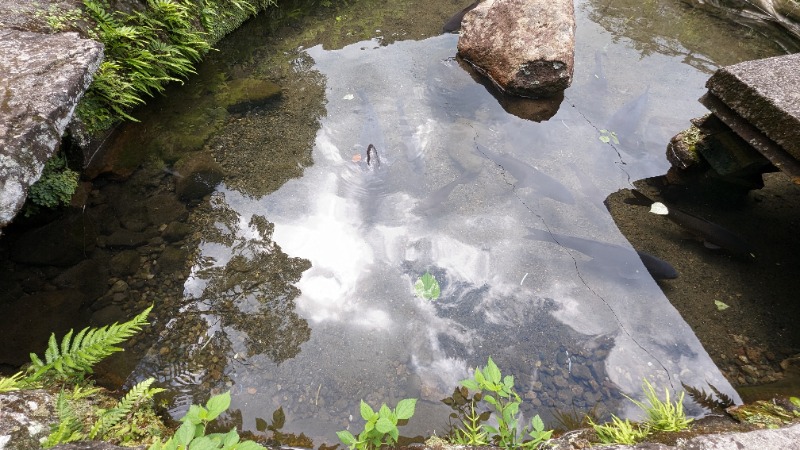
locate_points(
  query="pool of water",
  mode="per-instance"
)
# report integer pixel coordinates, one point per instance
(300, 291)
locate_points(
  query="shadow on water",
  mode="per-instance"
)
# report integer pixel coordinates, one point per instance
(291, 284)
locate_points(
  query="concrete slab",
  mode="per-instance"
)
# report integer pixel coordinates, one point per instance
(766, 93)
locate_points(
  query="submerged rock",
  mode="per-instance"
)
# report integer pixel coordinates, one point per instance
(197, 176)
(526, 47)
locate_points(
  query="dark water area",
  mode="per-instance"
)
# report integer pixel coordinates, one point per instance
(283, 266)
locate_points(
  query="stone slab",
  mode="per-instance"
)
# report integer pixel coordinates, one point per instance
(753, 136)
(765, 93)
(526, 47)
(42, 77)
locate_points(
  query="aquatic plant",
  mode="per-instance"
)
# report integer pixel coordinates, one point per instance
(662, 415)
(498, 391)
(381, 426)
(619, 431)
(427, 287)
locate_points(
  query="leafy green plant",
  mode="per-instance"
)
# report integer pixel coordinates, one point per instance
(427, 287)
(663, 415)
(499, 392)
(192, 432)
(619, 431)
(56, 185)
(72, 427)
(381, 426)
(76, 355)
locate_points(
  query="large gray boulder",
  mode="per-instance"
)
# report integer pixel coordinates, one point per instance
(526, 47)
(43, 77)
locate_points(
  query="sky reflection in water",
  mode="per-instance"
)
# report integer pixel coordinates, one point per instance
(460, 188)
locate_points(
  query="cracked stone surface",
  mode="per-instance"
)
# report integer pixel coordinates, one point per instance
(42, 77)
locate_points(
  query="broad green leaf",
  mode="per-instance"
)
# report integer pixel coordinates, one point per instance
(366, 411)
(470, 384)
(405, 408)
(537, 423)
(204, 443)
(195, 415)
(479, 377)
(721, 306)
(384, 425)
(492, 372)
(230, 439)
(185, 434)
(427, 287)
(346, 437)
(384, 412)
(394, 434)
(218, 404)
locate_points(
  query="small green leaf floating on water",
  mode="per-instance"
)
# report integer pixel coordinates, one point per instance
(721, 306)
(608, 136)
(427, 287)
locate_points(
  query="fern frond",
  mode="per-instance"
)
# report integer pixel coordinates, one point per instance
(68, 429)
(99, 13)
(12, 383)
(719, 404)
(76, 356)
(111, 417)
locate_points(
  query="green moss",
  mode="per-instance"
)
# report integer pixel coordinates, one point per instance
(691, 137)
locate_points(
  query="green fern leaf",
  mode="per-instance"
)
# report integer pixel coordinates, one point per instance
(12, 383)
(111, 417)
(77, 356)
(68, 429)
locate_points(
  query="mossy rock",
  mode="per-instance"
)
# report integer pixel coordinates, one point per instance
(242, 94)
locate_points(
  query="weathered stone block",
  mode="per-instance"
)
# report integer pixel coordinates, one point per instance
(766, 93)
(43, 77)
(526, 47)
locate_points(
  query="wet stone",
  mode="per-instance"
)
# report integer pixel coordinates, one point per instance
(581, 372)
(119, 286)
(127, 238)
(176, 231)
(63, 242)
(88, 276)
(124, 263)
(165, 208)
(108, 315)
(172, 259)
